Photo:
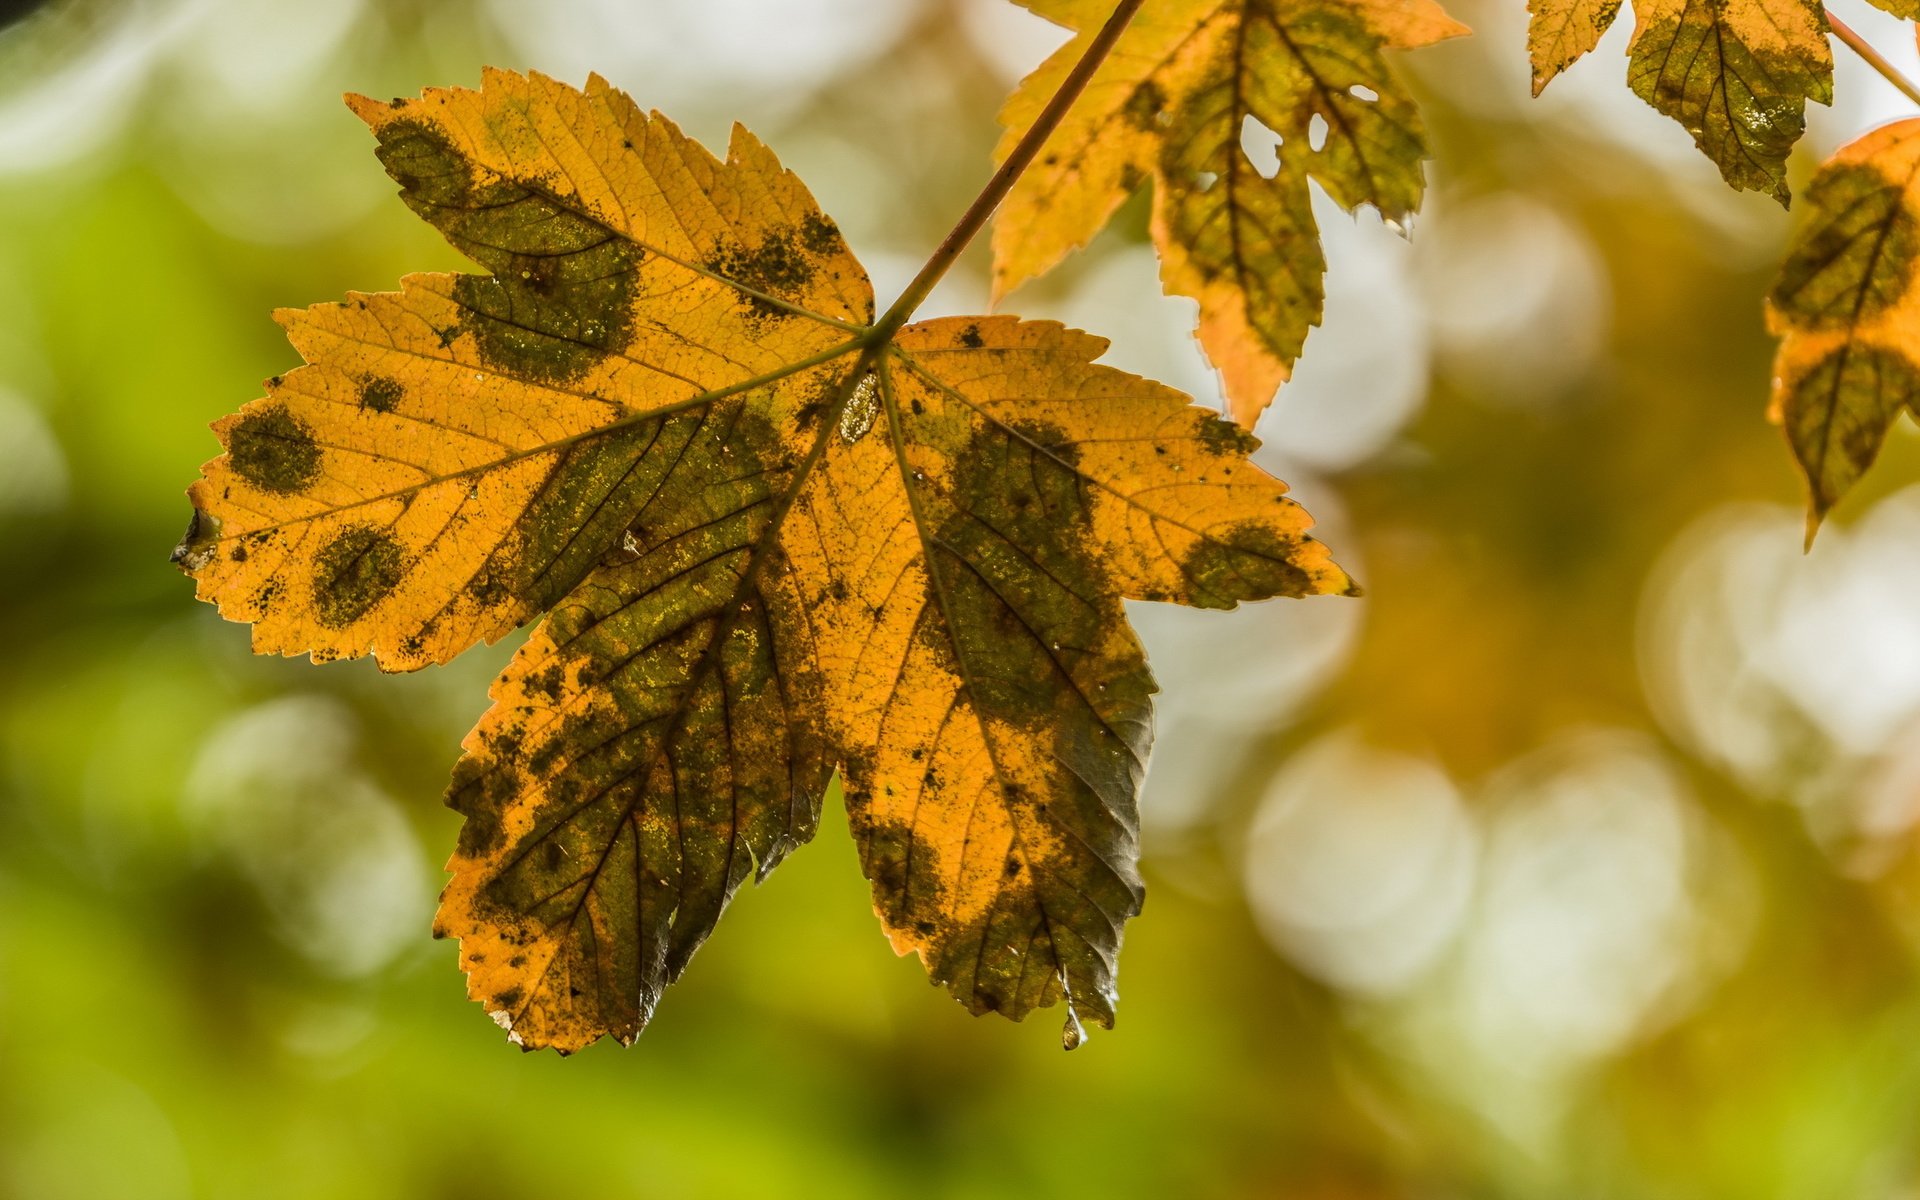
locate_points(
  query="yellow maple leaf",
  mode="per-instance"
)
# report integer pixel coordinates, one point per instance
(1848, 315)
(772, 540)
(1170, 104)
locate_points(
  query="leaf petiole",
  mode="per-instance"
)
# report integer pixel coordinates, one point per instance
(996, 189)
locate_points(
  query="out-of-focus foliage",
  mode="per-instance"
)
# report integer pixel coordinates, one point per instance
(1845, 310)
(1185, 90)
(1737, 74)
(1575, 858)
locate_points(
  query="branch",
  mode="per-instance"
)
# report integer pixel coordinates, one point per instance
(1859, 46)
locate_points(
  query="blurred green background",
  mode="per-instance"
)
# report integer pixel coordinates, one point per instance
(1577, 860)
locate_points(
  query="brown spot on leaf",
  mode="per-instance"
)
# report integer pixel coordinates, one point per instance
(274, 450)
(779, 266)
(1145, 105)
(381, 393)
(360, 567)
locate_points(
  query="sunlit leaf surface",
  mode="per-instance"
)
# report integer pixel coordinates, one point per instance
(769, 546)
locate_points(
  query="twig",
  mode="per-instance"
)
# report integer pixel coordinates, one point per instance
(1003, 180)
(1859, 46)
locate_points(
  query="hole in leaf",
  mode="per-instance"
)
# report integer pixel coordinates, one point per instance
(1317, 133)
(1361, 91)
(1261, 145)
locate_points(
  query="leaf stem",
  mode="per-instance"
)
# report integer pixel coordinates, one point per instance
(1858, 45)
(1003, 179)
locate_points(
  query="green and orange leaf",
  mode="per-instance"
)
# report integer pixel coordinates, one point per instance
(1736, 74)
(1169, 105)
(768, 545)
(1848, 314)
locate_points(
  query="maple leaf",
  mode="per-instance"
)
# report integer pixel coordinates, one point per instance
(1847, 313)
(1736, 74)
(1169, 104)
(771, 541)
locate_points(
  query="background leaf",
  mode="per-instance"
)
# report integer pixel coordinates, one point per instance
(1844, 310)
(1171, 105)
(1737, 75)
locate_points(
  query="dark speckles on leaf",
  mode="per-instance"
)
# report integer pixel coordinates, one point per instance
(824, 397)
(380, 393)
(970, 337)
(424, 164)
(358, 569)
(560, 297)
(543, 758)
(1145, 105)
(1227, 438)
(778, 266)
(548, 681)
(485, 589)
(476, 792)
(1249, 559)
(1046, 440)
(555, 313)
(274, 450)
(820, 235)
(908, 872)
